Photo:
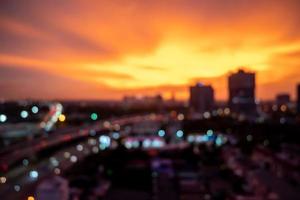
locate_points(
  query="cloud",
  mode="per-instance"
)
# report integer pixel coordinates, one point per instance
(38, 84)
(143, 46)
(101, 74)
(147, 67)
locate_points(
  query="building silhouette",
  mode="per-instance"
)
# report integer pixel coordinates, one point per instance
(283, 99)
(298, 98)
(201, 98)
(242, 92)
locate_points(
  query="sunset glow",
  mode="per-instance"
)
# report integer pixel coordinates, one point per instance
(108, 49)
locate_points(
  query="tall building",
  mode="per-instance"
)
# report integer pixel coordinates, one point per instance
(298, 98)
(283, 99)
(201, 98)
(242, 92)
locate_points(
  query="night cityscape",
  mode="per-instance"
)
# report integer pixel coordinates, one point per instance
(149, 100)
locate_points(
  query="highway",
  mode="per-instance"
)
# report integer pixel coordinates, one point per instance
(18, 180)
(18, 152)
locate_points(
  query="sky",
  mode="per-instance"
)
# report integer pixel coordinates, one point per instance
(80, 49)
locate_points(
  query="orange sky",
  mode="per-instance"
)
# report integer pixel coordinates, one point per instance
(106, 49)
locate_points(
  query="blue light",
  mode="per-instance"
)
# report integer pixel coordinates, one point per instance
(34, 174)
(199, 139)
(34, 109)
(3, 118)
(204, 138)
(179, 133)
(161, 133)
(157, 143)
(116, 135)
(219, 141)
(146, 143)
(24, 114)
(191, 138)
(209, 132)
(25, 162)
(104, 142)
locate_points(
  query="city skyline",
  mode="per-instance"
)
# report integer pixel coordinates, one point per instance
(149, 99)
(106, 50)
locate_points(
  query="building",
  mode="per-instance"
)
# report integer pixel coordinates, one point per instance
(283, 99)
(142, 101)
(201, 98)
(242, 92)
(298, 98)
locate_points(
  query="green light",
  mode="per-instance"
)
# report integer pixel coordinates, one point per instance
(94, 116)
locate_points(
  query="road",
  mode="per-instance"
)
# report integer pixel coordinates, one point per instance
(18, 181)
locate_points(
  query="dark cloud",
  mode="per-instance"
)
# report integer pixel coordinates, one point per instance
(53, 37)
(39, 84)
